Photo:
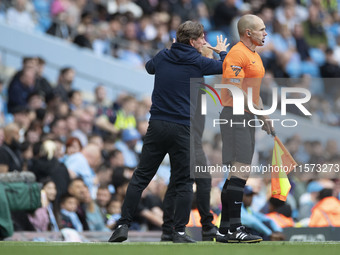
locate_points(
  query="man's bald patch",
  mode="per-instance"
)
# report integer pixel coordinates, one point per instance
(92, 154)
(247, 21)
(10, 128)
(91, 149)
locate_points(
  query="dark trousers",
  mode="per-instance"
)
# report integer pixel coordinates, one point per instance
(163, 137)
(203, 181)
(203, 205)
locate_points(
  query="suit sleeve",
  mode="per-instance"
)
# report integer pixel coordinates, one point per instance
(150, 66)
(212, 66)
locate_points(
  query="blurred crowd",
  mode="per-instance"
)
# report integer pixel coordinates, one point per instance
(303, 39)
(303, 34)
(84, 152)
(87, 150)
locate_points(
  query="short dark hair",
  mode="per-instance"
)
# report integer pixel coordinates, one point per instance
(64, 197)
(27, 59)
(118, 178)
(76, 180)
(103, 186)
(40, 113)
(34, 93)
(41, 61)
(113, 153)
(65, 70)
(55, 121)
(189, 30)
(113, 199)
(72, 92)
(85, 15)
(103, 168)
(46, 180)
(325, 193)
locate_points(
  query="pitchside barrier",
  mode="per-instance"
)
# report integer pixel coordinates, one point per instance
(312, 234)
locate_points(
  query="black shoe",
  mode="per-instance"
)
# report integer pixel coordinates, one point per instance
(178, 238)
(241, 235)
(120, 234)
(221, 238)
(210, 234)
(166, 237)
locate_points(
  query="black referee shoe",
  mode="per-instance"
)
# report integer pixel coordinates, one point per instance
(241, 235)
(120, 234)
(210, 234)
(178, 238)
(166, 237)
(221, 238)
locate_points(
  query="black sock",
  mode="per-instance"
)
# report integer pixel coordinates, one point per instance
(225, 224)
(235, 197)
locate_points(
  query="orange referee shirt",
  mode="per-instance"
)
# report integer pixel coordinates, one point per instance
(242, 68)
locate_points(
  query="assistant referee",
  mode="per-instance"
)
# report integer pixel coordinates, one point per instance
(242, 68)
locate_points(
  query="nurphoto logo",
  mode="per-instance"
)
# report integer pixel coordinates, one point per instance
(238, 104)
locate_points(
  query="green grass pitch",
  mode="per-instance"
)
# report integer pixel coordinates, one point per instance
(200, 248)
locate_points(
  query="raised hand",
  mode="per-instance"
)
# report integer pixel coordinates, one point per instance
(220, 46)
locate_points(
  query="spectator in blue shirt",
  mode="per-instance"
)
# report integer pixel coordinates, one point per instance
(258, 222)
(130, 137)
(82, 164)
